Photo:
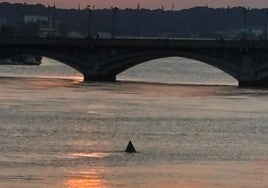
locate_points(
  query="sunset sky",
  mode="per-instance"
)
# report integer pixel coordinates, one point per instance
(152, 4)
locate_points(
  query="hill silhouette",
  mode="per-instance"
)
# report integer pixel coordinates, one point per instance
(201, 22)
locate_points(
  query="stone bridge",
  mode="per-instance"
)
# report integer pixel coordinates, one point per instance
(103, 59)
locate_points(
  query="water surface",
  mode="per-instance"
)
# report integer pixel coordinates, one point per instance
(190, 123)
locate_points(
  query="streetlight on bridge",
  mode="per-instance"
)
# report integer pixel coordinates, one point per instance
(89, 21)
(245, 23)
(265, 26)
(115, 9)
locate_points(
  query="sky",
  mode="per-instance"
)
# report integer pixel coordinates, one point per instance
(152, 4)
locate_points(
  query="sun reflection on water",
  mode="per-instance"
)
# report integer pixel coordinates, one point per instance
(90, 155)
(86, 179)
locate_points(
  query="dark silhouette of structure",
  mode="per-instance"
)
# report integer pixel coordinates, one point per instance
(103, 59)
(130, 148)
(202, 22)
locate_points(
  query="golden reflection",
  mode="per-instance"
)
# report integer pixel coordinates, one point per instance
(50, 82)
(91, 155)
(78, 78)
(86, 179)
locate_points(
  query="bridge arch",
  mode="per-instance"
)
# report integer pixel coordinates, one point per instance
(139, 58)
(62, 58)
(175, 70)
(62, 68)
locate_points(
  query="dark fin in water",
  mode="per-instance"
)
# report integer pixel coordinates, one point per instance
(130, 148)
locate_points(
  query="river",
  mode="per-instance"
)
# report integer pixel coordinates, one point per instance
(190, 123)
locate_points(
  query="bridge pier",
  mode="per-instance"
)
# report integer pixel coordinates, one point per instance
(254, 84)
(99, 78)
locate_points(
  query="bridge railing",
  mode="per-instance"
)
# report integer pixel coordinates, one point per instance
(136, 42)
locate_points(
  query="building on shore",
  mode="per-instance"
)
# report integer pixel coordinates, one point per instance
(2, 22)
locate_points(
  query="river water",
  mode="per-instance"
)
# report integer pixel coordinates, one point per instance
(191, 124)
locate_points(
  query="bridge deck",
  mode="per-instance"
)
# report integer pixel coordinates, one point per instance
(136, 42)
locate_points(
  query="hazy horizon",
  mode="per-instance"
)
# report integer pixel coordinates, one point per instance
(150, 4)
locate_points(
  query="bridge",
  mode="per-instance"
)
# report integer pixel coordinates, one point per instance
(103, 59)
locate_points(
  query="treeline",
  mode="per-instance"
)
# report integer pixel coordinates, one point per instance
(194, 22)
(26, 30)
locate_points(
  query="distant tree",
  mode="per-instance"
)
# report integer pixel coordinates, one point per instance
(7, 31)
(63, 29)
(29, 30)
